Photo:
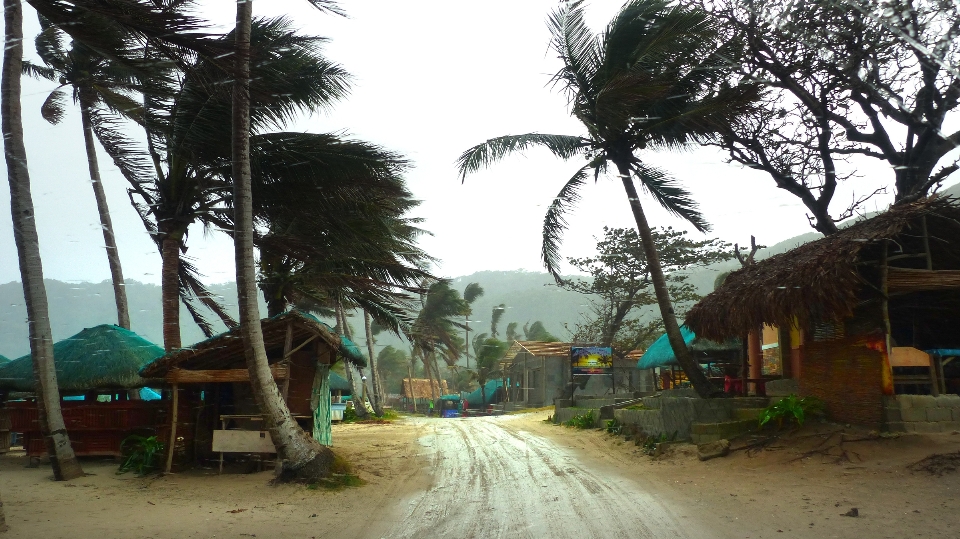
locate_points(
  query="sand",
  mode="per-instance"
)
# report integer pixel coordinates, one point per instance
(769, 493)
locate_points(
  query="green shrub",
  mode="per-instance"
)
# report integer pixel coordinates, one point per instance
(582, 421)
(614, 427)
(791, 408)
(140, 454)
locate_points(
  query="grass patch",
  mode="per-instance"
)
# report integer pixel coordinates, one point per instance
(636, 407)
(582, 421)
(341, 476)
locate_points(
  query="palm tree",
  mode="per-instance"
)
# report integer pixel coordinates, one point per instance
(488, 351)
(470, 294)
(191, 177)
(62, 458)
(654, 79)
(434, 332)
(102, 89)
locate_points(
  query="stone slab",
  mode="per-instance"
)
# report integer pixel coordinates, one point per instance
(913, 415)
(939, 414)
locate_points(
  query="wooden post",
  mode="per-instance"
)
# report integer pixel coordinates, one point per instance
(173, 428)
(926, 243)
(887, 373)
(755, 355)
(934, 378)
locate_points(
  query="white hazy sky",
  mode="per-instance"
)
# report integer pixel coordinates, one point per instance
(431, 78)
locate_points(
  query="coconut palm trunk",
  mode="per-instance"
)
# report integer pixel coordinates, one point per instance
(62, 458)
(697, 378)
(170, 291)
(359, 406)
(106, 224)
(376, 396)
(302, 457)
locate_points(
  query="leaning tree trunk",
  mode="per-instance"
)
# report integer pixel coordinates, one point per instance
(359, 406)
(377, 393)
(690, 367)
(303, 458)
(62, 458)
(109, 240)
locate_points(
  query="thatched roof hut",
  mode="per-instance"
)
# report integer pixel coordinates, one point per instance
(420, 388)
(226, 351)
(824, 281)
(101, 357)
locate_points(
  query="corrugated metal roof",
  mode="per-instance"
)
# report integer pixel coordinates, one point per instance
(537, 348)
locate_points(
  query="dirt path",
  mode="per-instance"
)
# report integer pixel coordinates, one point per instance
(494, 478)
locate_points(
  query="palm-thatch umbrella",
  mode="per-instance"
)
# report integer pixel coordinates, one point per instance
(339, 383)
(101, 357)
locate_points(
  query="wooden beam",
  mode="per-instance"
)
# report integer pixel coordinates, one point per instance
(286, 354)
(184, 376)
(171, 447)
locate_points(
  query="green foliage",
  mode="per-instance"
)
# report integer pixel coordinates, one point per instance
(582, 421)
(393, 364)
(537, 332)
(791, 408)
(350, 415)
(620, 278)
(140, 454)
(614, 427)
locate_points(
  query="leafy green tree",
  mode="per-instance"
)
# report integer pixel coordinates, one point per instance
(470, 294)
(434, 332)
(512, 334)
(393, 364)
(620, 277)
(495, 317)
(656, 78)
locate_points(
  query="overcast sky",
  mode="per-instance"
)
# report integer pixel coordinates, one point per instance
(431, 79)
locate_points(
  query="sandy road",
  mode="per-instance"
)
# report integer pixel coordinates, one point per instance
(494, 480)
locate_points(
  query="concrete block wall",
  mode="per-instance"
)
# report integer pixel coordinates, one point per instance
(677, 415)
(922, 413)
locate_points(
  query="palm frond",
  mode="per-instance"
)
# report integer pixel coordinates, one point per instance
(665, 190)
(495, 149)
(53, 109)
(132, 161)
(555, 221)
(578, 48)
(328, 6)
(31, 69)
(472, 292)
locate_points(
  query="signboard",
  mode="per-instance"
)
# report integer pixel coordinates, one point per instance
(591, 359)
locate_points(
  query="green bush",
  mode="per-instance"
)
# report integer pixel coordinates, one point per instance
(582, 421)
(614, 427)
(140, 454)
(791, 408)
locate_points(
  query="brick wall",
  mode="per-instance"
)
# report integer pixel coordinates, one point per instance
(846, 374)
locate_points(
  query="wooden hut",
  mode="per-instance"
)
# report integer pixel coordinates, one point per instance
(855, 309)
(97, 371)
(211, 393)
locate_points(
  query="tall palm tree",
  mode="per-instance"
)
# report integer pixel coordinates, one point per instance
(434, 332)
(470, 294)
(62, 458)
(654, 79)
(102, 88)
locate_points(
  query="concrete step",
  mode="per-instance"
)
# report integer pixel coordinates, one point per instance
(747, 414)
(751, 402)
(701, 433)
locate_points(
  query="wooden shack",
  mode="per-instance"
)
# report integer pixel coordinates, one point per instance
(213, 407)
(847, 307)
(97, 372)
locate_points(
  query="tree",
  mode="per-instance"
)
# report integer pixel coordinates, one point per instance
(392, 363)
(190, 178)
(512, 334)
(619, 275)
(844, 80)
(654, 79)
(62, 458)
(434, 332)
(537, 332)
(488, 351)
(302, 456)
(495, 317)
(470, 294)
(103, 90)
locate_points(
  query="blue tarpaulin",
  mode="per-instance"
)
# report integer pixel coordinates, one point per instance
(474, 399)
(660, 354)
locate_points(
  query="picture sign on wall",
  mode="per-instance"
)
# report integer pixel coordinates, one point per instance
(591, 359)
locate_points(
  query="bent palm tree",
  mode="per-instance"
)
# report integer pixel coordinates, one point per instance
(654, 79)
(101, 88)
(62, 458)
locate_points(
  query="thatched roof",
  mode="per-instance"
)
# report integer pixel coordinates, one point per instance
(225, 351)
(101, 357)
(537, 349)
(821, 281)
(419, 388)
(339, 383)
(660, 353)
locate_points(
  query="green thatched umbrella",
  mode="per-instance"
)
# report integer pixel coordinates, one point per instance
(101, 357)
(339, 383)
